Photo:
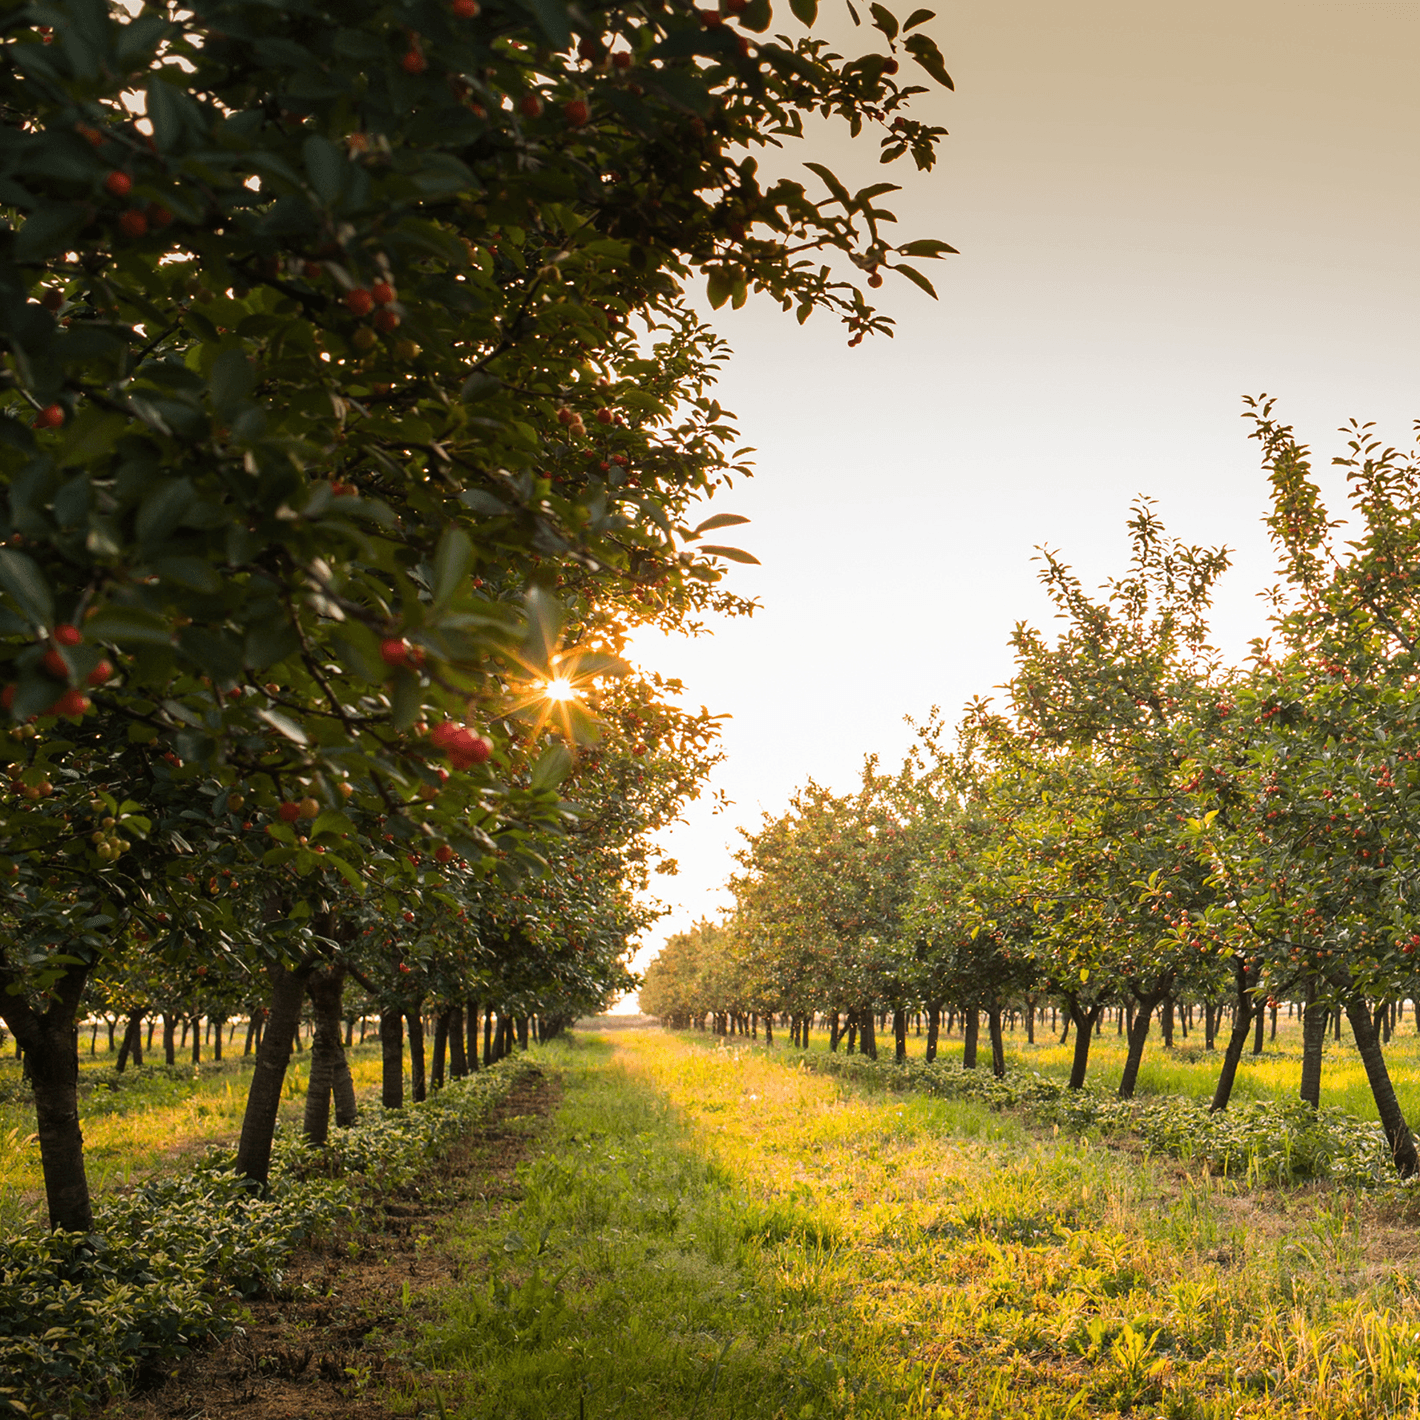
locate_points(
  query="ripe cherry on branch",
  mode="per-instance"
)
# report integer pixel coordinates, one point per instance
(359, 302)
(118, 184)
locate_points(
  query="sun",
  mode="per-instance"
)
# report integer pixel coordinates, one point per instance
(560, 689)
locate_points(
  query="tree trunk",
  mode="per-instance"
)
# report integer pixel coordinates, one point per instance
(1166, 1022)
(1138, 1034)
(392, 1057)
(522, 1024)
(330, 1071)
(971, 1020)
(1237, 1040)
(458, 1060)
(934, 1025)
(132, 1042)
(1030, 1022)
(1084, 1022)
(805, 1029)
(868, 1043)
(218, 1022)
(998, 1045)
(834, 1033)
(441, 1047)
(470, 1022)
(769, 1027)
(1260, 1025)
(899, 1035)
(488, 1055)
(1314, 1019)
(50, 1044)
(197, 1039)
(1397, 1131)
(288, 990)
(169, 1027)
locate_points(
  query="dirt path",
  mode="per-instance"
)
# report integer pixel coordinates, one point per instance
(342, 1329)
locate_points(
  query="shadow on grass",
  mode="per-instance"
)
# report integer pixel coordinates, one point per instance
(629, 1279)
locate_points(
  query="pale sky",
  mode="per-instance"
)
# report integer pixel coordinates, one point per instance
(1159, 210)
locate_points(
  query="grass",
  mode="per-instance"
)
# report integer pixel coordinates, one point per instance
(711, 1232)
(144, 1121)
(1189, 1069)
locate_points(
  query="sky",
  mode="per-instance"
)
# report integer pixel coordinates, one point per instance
(1159, 210)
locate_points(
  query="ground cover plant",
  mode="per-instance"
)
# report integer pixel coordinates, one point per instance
(721, 1231)
(86, 1315)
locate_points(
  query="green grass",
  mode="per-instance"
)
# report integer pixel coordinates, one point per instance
(1189, 1069)
(711, 1232)
(146, 1121)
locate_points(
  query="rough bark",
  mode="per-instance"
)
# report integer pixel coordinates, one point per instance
(868, 1041)
(49, 1041)
(470, 1022)
(441, 1049)
(1259, 1027)
(330, 1070)
(169, 1051)
(1084, 1022)
(1397, 1131)
(132, 1046)
(458, 1059)
(1314, 1019)
(899, 1036)
(1138, 1034)
(392, 1057)
(934, 1025)
(1242, 1023)
(288, 990)
(998, 1044)
(971, 1022)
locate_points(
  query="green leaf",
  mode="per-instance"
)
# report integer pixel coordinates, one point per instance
(25, 583)
(928, 247)
(918, 17)
(552, 16)
(720, 520)
(128, 626)
(93, 433)
(283, 724)
(805, 10)
(756, 16)
(545, 616)
(233, 380)
(926, 53)
(327, 167)
(884, 19)
(551, 768)
(734, 554)
(916, 277)
(833, 184)
(452, 562)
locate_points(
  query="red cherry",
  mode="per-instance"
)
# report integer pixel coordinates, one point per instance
(133, 224)
(118, 184)
(359, 301)
(577, 112)
(50, 417)
(413, 62)
(443, 853)
(52, 299)
(383, 293)
(466, 9)
(408, 917)
(72, 702)
(604, 416)
(622, 59)
(386, 321)
(890, 67)
(394, 652)
(55, 664)
(288, 812)
(7, 696)
(68, 635)
(159, 215)
(530, 106)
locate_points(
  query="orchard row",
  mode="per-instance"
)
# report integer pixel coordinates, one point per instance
(353, 412)
(1138, 826)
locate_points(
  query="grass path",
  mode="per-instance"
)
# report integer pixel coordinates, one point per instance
(707, 1232)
